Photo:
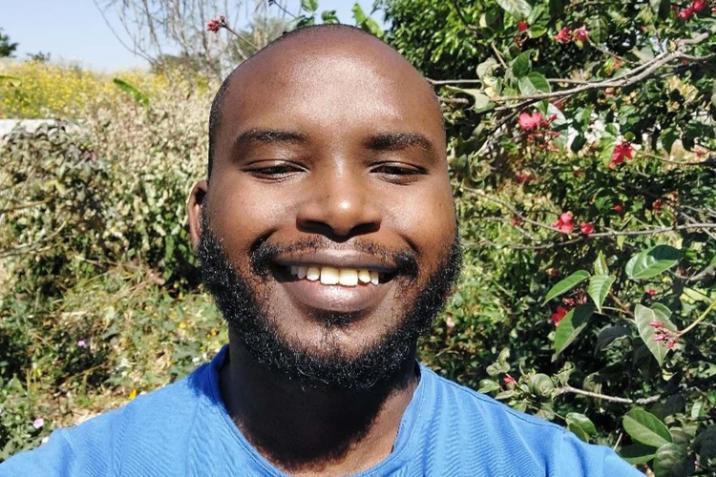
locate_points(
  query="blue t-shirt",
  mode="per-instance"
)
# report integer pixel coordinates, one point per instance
(184, 429)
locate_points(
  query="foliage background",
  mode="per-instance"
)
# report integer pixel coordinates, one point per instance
(551, 315)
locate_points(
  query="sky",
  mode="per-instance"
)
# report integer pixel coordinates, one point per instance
(73, 31)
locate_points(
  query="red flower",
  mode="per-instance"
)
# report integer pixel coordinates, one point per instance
(657, 205)
(622, 152)
(564, 35)
(529, 121)
(650, 291)
(215, 24)
(587, 228)
(698, 5)
(618, 208)
(522, 26)
(509, 380)
(558, 315)
(564, 223)
(580, 34)
(686, 13)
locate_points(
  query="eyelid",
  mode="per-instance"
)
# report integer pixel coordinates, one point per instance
(407, 169)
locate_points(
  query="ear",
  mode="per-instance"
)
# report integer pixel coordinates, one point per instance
(196, 206)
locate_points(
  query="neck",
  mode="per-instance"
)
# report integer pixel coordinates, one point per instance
(313, 430)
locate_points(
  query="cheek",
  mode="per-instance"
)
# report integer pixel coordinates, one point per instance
(242, 213)
(427, 220)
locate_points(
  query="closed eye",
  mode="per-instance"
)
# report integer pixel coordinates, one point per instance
(398, 173)
(274, 170)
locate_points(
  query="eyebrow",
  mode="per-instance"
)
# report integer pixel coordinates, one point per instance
(399, 141)
(268, 136)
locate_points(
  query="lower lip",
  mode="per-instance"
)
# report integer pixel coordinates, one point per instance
(313, 294)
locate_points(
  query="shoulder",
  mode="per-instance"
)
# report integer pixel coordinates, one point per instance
(513, 440)
(153, 424)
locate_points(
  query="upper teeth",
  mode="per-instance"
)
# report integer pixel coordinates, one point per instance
(348, 277)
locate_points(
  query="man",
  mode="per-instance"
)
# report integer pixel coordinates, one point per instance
(326, 232)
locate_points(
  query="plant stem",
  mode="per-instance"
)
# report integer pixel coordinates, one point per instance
(698, 320)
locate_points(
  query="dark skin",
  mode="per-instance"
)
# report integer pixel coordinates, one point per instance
(329, 135)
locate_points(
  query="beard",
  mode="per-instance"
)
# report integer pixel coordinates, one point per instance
(377, 365)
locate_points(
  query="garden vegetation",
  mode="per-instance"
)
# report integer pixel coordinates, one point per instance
(582, 151)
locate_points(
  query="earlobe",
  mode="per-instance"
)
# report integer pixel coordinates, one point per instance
(196, 207)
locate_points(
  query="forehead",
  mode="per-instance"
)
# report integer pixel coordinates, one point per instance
(331, 83)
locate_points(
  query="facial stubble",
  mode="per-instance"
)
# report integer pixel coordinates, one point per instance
(377, 365)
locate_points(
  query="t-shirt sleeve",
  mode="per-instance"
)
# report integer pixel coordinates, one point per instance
(578, 458)
(55, 458)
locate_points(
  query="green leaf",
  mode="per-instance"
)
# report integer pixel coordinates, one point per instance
(671, 460)
(487, 68)
(644, 316)
(365, 22)
(488, 386)
(309, 6)
(329, 16)
(637, 454)
(644, 427)
(651, 262)
(600, 264)
(598, 288)
(521, 65)
(609, 334)
(567, 284)
(517, 8)
(570, 327)
(481, 103)
(581, 425)
(533, 83)
(132, 90)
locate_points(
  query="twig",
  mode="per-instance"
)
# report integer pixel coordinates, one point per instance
(498, 55)
(582, 392)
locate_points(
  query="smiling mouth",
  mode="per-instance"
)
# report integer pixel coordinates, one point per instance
(343, 276)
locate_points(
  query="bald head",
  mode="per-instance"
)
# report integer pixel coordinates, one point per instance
(309, 53)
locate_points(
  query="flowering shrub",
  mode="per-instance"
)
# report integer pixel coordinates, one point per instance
(583, 143)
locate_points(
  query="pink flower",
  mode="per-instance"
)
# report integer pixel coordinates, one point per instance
(580, 34)
(618, 208)
(662, 334)
(509, 380)
(38, 423)
(82, 344)
(564, 35)
(528, 121)
(650, 292)
(215, 24)
(564, 223)
(623, 151)
(587, 228)
(558, 315)
(522, 26)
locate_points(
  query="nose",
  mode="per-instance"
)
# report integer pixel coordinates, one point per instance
(339, 206)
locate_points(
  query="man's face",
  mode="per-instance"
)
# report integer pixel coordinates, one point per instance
(329, 200)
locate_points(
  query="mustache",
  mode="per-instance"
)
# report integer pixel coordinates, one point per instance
(264, 254)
